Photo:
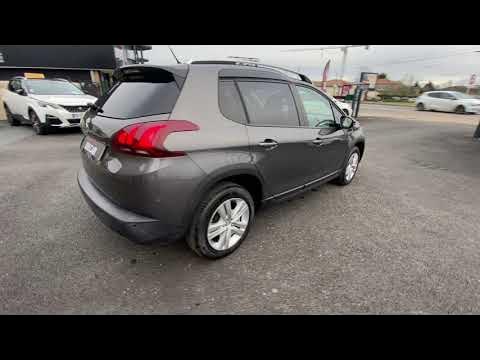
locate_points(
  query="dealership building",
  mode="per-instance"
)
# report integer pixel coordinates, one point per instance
(90, 66)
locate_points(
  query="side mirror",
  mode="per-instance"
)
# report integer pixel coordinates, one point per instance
(21, 92)
(346, 122)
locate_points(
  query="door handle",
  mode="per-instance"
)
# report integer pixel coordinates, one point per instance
(268, 143)
(318, 142)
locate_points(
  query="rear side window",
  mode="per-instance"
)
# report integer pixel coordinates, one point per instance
(269, 103)
(230, 102)
(131, 99)
(446, 96)
(434, 95)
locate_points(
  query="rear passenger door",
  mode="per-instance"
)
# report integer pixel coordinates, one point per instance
(281, 148)
(435, 101)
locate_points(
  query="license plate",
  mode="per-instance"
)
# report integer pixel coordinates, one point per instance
(76, 115)
(94, 148)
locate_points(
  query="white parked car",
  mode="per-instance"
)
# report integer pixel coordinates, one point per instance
(45, 103)
(346, 108)
(450, 101)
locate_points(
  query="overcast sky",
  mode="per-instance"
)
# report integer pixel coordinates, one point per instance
(437, 63)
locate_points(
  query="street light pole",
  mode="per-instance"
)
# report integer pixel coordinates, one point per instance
(344, 62)
(343, 48)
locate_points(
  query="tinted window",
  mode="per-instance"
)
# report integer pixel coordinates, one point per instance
(317, 108)
(269, 103)
(230, 102)
(434, 95)
(128, 100)
(14, 85)
(446, 96)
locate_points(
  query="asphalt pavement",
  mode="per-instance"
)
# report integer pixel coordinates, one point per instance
(404, 237)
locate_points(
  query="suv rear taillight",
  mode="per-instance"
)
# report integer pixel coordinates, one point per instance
(147, 139)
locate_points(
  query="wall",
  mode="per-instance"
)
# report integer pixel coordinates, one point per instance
(86, 57)
(72, 75)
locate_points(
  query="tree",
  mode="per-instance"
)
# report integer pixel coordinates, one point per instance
(428, 87)
(382, 76)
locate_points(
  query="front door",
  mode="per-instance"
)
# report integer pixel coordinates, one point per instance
(322, 118)
(281, 148)
(447, 102)
(15, 99)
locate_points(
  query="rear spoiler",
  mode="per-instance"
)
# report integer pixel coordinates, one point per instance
(151, 73)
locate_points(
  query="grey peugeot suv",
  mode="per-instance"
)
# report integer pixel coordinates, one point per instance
(192, 150)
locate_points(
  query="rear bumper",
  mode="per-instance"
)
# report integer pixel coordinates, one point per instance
(135, 227)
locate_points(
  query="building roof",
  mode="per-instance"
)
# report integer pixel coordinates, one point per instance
(333, 82)
(387, 82)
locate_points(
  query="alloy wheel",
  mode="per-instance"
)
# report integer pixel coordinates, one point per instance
(352, 167)
(228, 224)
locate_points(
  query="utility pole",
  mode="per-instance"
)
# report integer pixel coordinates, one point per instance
(344, 62)
(343, 48)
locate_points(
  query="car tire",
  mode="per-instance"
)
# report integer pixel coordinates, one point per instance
(420, 107)
(10, 118)
(346, 177)
(460, 109)
(38, 127)
(209, 218)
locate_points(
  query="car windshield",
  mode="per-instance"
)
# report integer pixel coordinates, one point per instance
(460, 95)
(52, 87)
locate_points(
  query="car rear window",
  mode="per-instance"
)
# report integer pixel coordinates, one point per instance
(128, 100)
(141, 92)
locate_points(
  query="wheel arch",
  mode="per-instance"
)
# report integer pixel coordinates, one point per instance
(245, 176)
(360, 144)
(31, 109)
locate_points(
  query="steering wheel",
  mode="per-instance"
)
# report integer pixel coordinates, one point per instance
(322, 122)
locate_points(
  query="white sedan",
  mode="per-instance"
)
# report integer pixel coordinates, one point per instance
(346, 108)
(450, 101)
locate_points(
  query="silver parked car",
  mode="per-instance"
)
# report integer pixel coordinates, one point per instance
(191, 151)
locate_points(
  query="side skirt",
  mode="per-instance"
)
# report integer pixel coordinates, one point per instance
(300, 189)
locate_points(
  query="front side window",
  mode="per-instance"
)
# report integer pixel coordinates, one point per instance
(269, 103)
(338, 114)
(317, 108)
(462, 96)
(14, 85)
(51, 87)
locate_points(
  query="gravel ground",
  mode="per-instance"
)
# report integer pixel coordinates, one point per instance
(404, 237)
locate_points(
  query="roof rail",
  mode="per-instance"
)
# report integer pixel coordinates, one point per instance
(302, 77)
